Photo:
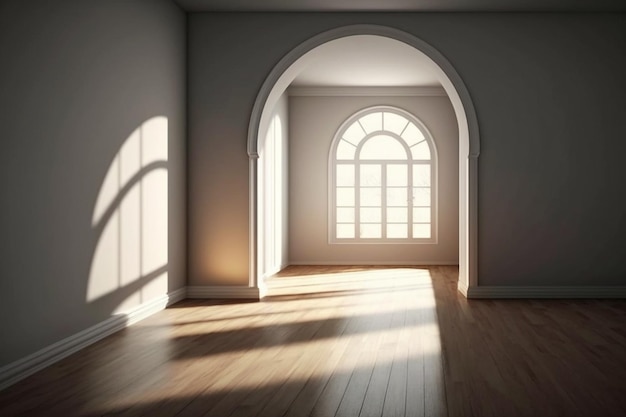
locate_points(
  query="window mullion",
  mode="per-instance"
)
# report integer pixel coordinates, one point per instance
(411, 197)
(362, 128)
(333, 197)
(357, 199)
(433, 197)
(383, 197)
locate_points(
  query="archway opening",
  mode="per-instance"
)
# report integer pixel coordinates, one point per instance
(264, 117)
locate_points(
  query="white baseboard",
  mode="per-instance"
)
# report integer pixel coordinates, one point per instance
(223, 291)
(264, 277)
(545, 292)
(463, 288)
(381, 263)
(22, 368)
(176, 296)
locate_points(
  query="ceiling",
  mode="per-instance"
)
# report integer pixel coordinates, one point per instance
(403, 5)
(366, 60)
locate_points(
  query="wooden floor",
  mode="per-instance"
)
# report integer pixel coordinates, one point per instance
(348, 341)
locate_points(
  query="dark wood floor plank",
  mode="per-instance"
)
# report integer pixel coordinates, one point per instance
(372, 404)
(323, 348)
(394, 403)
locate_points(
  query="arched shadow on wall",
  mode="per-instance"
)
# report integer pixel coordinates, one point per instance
(130, 217)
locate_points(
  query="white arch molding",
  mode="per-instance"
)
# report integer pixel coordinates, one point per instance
(469, 142)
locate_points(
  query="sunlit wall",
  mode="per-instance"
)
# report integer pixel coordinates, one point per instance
(92, 110)
(272, 190)
(131, 216)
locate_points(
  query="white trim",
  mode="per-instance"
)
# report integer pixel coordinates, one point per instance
(284, 73)
(546, 292)
(463, 288)
(253, 250)
(223, 291)
(367, 91)
(264, 277)
(274, 271)
(22, 368)
(176, 296)
(381, 263)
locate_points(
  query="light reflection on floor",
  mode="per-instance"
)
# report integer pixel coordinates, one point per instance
(355, 330)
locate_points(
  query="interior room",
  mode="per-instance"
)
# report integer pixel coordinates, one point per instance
(312, 208)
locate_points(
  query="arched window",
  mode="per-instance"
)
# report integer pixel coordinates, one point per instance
(382, 182)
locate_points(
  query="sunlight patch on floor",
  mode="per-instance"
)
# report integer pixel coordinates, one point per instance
(349, 325)
(350, 280)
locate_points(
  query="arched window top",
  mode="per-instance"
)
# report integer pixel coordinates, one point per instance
(379, 133)
(382, 179)
(382, 146)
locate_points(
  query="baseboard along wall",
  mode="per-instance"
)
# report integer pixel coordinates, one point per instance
(503, 292)
(22, 368)
(223, 291)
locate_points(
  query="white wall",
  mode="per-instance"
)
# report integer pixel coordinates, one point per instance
(92, 164)
(284, 200)
(548, 92)
(313, 122)
(273, 177)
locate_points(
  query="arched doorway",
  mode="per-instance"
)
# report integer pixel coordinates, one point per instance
(469, 145)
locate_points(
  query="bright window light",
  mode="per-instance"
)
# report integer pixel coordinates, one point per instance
(383, 179)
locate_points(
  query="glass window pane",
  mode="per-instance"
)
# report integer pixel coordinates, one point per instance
(397, 196)
(371, 231)
(345, 150)
(421, 197)
(370, 175)
(421, 151)
(345, 196)
(354, 134)
(345, 215)
(345, 231)
(412, 134)
(371, 197)
(345, 175)
(421, 175)
(421, 231)
(397, 231)
(382, 147)
(373, 122)
(397, 215)
(370, 215)
(393, 122)
(397, 175)
(421, 215)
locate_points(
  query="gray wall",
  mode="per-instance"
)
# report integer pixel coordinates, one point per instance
(313, 123)
(77, 78)
(548, 90)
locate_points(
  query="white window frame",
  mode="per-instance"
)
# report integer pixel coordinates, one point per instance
(332, 185)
